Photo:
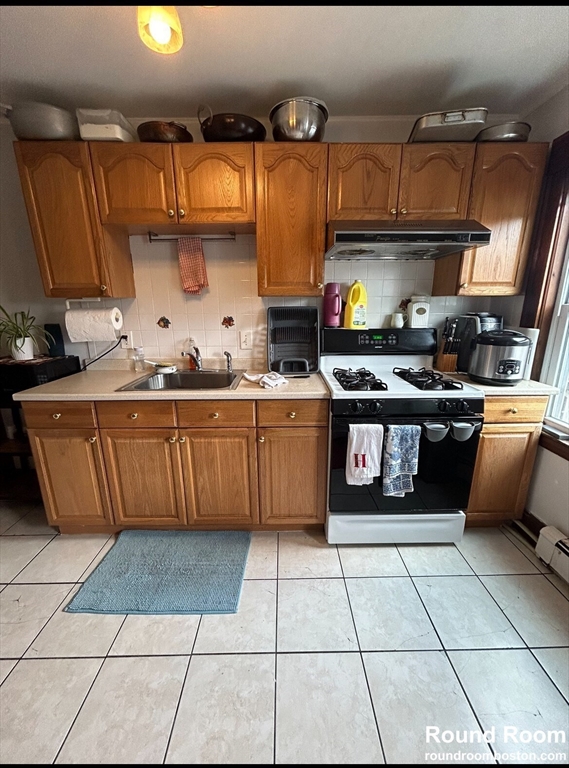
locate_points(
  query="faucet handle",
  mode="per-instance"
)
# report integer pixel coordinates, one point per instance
(229, 362)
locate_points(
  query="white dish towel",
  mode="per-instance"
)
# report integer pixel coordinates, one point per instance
(401, 459)
(363, 459)
(266, 380)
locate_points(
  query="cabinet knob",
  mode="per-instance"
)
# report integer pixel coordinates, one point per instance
(464, 285)
(292, 415)
(320, 285)
(182, 439)
(215, 415)
(92, 439)
(170, 213)
(261, 439)
(393, 211)
(403, 210)
(103, 288)
(172, 439)
(56, 416)
(513, 410)
(134, 415)
(181, 213)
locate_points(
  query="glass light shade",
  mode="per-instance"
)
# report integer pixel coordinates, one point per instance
(159, 28)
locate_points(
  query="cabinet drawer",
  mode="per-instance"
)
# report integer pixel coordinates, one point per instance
(134, 413)
(290, 413)
(514, 409)
(59, 414)
(216, 413)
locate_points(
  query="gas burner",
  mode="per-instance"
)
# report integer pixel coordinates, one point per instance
(358, 380)
(426, 379)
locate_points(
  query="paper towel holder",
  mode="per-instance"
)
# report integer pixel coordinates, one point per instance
(68, 301)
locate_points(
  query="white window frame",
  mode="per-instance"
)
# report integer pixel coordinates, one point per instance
(556, 360)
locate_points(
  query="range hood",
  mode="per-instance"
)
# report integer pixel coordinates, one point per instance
(410, 240)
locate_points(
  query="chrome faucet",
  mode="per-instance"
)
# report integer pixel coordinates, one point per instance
(229, 362)
(195, 356)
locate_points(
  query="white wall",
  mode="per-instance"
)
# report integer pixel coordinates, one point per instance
(548, 498)
(550, 119)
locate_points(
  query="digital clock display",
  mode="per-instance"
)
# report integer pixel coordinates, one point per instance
(377, 338)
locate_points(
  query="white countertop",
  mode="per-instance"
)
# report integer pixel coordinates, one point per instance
(103, 385)
(525, 388)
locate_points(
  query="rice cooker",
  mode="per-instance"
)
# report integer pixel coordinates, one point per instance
(499, 357)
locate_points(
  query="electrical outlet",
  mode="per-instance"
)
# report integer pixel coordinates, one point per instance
(245, 341)
(127, 343)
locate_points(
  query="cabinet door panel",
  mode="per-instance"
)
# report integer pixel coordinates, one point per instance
(134, 182)
(292, 474)
(59, 194)
(220, 475)
(72, 480)
(506, 454)
(505, 192)
(291, 217)
(363, 181)
(435, 180)
(215, 183)
(144, 473)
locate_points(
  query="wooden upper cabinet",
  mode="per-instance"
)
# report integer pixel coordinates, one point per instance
(291, 217)
(505, 191)
(363, 181)
(214, 182)
(77, 257)
(435, 181)
(134, 182)
(62, 454)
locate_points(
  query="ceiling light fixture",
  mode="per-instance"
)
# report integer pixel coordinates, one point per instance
(159, 28)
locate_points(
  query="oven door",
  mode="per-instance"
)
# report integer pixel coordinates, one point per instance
(442, 484)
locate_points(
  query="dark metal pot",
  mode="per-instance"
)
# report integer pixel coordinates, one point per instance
(230, 127)
(159, 130)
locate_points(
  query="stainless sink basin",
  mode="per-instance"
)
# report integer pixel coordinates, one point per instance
(207, 379)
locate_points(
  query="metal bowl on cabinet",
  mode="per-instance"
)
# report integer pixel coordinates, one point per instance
(302, 118)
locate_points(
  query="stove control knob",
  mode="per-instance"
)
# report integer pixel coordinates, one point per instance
(356, 406)
(444, 406)
(375, 407)
(463, 406)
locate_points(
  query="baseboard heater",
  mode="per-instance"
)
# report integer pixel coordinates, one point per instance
(553, 549)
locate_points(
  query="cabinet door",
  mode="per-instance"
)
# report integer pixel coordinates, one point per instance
(214, 183)
(505, 192)
(291, 217)
(69, 464)
(504, 463)
(144, 474)
(435, 181)
(363, 181)
(220, 475)
(292, 474)
(58, 190)
(134, 182)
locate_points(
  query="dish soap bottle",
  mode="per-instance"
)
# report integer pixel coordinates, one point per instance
(355, 315)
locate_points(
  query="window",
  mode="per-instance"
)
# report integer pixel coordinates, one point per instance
(556, 362)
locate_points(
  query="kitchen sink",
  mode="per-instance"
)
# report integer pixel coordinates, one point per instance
(207, 379)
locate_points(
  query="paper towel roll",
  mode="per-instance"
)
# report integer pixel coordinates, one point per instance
(93, 324)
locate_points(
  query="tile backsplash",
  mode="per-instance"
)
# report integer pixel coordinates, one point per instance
(232, 275)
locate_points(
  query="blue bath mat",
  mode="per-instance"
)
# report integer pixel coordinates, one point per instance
(167, 572)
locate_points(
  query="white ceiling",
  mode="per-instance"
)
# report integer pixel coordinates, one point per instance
(362, 60)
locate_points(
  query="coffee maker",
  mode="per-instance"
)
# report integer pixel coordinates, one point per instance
(467, 328)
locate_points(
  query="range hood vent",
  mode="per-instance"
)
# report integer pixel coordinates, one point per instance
(409, 240)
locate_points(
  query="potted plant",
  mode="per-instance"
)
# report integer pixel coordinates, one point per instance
(21, 333)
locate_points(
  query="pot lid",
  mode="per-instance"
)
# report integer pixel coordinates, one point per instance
(499, 338)
(310, 99)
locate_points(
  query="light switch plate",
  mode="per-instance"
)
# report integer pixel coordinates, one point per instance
(245, 341)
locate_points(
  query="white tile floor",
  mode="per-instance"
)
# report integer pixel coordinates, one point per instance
(336, 655)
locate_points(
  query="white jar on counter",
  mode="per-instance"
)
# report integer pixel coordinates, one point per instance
(418, 311)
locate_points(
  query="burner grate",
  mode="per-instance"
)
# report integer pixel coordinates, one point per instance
(358, 380)
(426, 379)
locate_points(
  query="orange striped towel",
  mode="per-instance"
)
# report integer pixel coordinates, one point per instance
(192, 265)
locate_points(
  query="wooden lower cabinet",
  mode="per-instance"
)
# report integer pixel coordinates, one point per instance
(145, 476)
(220, 475)
(504, 463)
(292, 474)
(69, 464)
